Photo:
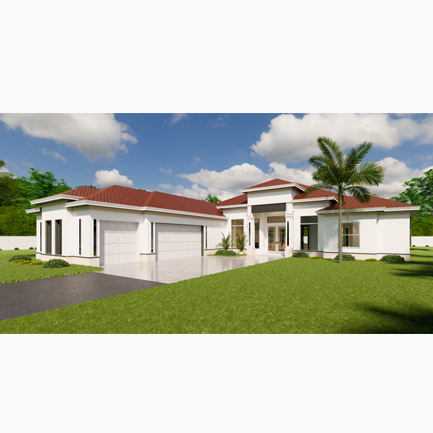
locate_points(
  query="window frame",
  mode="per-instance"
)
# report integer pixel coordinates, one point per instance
(351, 236)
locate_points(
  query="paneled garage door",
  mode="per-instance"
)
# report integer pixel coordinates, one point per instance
(118, 242)
(175, 241)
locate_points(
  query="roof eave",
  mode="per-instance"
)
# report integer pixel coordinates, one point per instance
(232, 205)
(56, 198)
(267, 188)
(34, 210)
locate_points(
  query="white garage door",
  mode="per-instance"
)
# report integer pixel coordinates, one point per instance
(118, 242)
(174, 241)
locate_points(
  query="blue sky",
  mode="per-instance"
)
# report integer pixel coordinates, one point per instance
(196, 154)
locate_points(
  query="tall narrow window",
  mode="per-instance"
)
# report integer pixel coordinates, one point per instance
(351, 235)
(206, 237)
(48, 237)
(151, 237)
(249, 234)
(94, 237)
(58, 225)
(40, 237)
(237, 229)
(257, 232)
(287, 233)
(79, 237)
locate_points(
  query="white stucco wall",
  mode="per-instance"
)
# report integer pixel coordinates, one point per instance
(422, 241)
(393, 231)
(21, 242)
(272, 196)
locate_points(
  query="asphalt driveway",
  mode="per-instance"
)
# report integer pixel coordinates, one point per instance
(28, 297)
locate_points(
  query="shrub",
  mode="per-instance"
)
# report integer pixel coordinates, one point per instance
(316, 257)
(16, 248)
(413, 245)
(56, 263)
(30, 248)
(427, 246)
(225, 243)
(346, 258)
(19, 257)
(300, 255)
(22, 262)
(391, 258)
(371, 260)
(227, 253)
(241, 242)
(36, 263)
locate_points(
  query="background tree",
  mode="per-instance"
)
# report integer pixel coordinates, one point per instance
(212, 199)
(419, 192)
(344, 174)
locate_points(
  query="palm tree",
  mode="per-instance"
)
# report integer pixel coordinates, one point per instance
(345, 175)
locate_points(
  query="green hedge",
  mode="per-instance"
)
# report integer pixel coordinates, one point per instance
(371, 260)
(316, 257)
(227, 253)
(391, 258)
(56, 263)
(346, 258)
(20, 257)
(300, 255)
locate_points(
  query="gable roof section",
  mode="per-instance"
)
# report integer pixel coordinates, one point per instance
(240, 199)
(315, 194)
(80, 192)
(134, 197)
(353, 203)
(273, 182)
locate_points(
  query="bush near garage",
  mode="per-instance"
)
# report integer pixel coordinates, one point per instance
(37, 263)
(56, 263)
(22, 262)
(346, 258)
(20, 257)
(300, 255)
(391, 258)
(227, 253)
(371, 260)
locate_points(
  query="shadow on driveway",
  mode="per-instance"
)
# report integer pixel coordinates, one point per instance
(28, 297)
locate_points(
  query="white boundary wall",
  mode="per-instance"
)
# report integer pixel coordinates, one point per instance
(22, 242)
(422, 241)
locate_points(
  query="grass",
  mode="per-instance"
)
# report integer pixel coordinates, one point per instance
(11, 272)
(283, 296)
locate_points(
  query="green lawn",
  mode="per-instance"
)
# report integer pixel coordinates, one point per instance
(10, 272)
(283, 296)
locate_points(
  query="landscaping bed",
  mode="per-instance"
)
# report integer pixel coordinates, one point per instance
(282, 296)
(12, 272)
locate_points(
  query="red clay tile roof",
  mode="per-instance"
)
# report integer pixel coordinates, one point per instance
(134, 197)
(273, 182)
(353, 203)
(315, 194)
(80, 192)
(240, 199)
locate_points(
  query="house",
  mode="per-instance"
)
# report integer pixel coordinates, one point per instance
(118, 224)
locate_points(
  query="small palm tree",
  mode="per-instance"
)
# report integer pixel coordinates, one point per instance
(345, 175)
(226, 242)
(241, 242)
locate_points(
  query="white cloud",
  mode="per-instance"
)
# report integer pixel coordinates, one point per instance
(104, 178)
(94, 135)
(220, 122)
(196, 160)
(290, 139)
(168, 171)
(53, 153)
(166, 186)
(178, 116)
(200, 193)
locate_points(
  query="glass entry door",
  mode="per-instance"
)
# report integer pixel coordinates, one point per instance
(272, 238)
(305, 237)
(281, 238)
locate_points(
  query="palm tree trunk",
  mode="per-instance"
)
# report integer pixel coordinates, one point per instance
(340, 229)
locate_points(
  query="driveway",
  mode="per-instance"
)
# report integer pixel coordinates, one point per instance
(172, 271)
(28, 297)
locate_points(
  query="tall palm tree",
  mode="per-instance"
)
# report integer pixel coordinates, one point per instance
(344, 174)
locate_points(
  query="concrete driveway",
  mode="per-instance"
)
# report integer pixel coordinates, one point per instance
(172, 271)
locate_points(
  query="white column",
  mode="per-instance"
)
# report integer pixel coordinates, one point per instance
(291, 220)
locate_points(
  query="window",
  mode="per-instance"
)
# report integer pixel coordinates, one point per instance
(79, 237)
(237, 229)
(308, 219)
(151, 237)
(48, 237)
(249, 234)
(351, 235)
(94, 237)
(40, 237)
(276, 219)
(305, 237)
(257, 232)
(287, 232)
(58, 228)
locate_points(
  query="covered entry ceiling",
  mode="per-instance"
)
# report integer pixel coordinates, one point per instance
(118, 242)
(175, 241)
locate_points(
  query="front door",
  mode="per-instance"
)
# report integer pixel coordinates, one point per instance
(276, 238)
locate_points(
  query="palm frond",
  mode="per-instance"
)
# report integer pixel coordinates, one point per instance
(331, 150)
(369, 173)
(357, 154)
(361, 193)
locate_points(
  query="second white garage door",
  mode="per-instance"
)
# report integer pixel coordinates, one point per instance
(118, 242)
(174, 241)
